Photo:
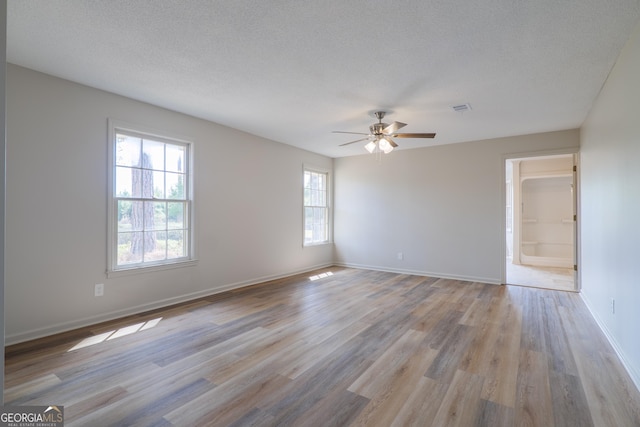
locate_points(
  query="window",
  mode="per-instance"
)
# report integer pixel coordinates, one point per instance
(150, 216)
(316, 207)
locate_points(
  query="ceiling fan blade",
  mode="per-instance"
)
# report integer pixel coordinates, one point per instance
(391, 142)
(352, 133)
(393, 127)
(414, 135)
(351, 142)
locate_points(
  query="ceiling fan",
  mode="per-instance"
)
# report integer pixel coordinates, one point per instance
(381, 134)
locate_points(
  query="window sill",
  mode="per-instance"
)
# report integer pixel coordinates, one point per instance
(150, 269)
(310, 245)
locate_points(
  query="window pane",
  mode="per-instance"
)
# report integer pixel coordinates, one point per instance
(147, 216)
(155, 217)
(157, 184)
(176, 247)
(315, 229)
(124, 182)
(175, 186)
(175, 158)
(314, 181)
(125, 250)
(155, 245)
(127, 150)
(137, 216)
(160, 215)
(308, 216)
(152, 154)
(175, 215)
(142, 183)
(318, 215)
(124, 215)
(308, 225)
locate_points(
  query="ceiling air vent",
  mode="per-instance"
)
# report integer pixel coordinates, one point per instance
(461, 108)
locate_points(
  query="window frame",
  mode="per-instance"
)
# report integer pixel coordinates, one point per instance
(113, 269)
(328, 190)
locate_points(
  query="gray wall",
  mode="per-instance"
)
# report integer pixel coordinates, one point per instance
(441, 206)
(248, 201)
(610, 206)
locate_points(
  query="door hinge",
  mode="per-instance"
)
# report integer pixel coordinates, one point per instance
(575, 267)
(575, 217)
(575, 168)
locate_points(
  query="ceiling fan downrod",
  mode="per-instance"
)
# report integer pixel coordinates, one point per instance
(376, 128)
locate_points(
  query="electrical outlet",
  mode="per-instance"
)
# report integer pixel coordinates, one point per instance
(400, 256)
(613, 306)
(98, 290)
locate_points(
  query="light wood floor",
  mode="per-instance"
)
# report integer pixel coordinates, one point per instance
(354, 348)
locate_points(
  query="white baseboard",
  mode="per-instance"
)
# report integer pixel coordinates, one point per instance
(113, 315)
(635, 376)
(488, 280)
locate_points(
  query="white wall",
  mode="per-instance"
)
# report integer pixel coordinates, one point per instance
(441, 206)
(248, 208)
(610, 206)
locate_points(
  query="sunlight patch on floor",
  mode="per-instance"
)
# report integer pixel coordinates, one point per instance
(116, 333)
(320, 276)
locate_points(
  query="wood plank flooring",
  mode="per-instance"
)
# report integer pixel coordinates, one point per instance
(350, 347)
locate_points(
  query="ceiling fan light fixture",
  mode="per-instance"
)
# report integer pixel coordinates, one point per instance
(371, 146)
(385, 146)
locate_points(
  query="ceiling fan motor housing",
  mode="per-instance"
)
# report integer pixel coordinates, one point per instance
(376, 128)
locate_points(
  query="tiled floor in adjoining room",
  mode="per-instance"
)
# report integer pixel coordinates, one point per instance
(540, 277)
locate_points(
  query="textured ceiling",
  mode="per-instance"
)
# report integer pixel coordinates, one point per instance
(293, 71)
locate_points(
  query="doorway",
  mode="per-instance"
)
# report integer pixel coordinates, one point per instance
(541, 200)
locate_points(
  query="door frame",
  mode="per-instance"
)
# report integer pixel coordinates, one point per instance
(575, 152)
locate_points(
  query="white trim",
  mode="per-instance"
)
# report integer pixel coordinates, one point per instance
(313, 168)
(140, 309)
(438, 275)
(143, 131)
(310, 245)
(146, 131)
(635, 375)
(150, 268)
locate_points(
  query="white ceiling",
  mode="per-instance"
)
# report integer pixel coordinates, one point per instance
(293, 71)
